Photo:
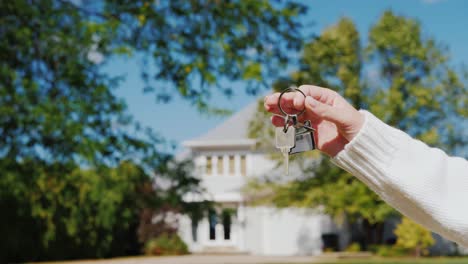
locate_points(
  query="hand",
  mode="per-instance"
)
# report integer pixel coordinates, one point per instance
(336, 122)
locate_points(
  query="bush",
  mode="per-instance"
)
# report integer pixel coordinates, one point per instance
(388, 251)
(166, 245)
(413, 237)
(353, 247)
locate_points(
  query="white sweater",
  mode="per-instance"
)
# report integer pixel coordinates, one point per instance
(423, 183)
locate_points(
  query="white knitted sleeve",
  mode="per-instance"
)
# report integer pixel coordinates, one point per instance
(422, 183)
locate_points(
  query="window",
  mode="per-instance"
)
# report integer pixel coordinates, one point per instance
(243, 166)
(209, 166)
(226, 215)
(220, 165)
(232, 165)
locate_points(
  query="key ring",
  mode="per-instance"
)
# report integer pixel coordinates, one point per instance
(290, 89)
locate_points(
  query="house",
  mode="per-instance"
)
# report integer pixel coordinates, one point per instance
(225, 160)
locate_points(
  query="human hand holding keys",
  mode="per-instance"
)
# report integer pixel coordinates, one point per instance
(334, 120)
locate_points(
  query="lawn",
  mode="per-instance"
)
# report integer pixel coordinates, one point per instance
(226, 259)
(402, 261)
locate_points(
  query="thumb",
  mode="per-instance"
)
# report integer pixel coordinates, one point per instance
(326, 112)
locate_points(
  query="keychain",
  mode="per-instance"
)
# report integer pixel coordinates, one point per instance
(294, 136)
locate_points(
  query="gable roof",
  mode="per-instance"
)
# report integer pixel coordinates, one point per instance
(232, 132)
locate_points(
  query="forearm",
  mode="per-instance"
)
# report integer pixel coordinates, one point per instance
(423, 183)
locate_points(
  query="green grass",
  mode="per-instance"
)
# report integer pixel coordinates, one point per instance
(375, 260)
(402, 261)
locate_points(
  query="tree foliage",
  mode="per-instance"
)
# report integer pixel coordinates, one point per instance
(403, 77)
(63, 214)
(74, 166)
(190, 47)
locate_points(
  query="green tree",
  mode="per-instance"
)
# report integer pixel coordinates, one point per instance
(64, 134)
(411, 236)
(403, 77)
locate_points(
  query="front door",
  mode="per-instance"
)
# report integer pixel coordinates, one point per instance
(221, 228)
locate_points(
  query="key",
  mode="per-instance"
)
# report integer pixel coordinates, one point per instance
(304, 139)
(285, 141)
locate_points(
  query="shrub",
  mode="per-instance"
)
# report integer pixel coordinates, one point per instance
(388, 250)
(353, 247)
(166, 245)
(413, 237)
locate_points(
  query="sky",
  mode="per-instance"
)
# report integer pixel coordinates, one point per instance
(177, 121)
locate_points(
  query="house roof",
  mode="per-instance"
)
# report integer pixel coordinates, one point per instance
(232, 132)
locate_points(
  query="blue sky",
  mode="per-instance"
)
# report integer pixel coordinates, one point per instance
(445, 20)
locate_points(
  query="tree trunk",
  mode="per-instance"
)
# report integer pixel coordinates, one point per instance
(417, 251)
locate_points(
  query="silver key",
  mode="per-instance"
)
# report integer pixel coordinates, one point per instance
(285, 141)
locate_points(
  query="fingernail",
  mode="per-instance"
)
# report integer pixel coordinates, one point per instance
(311, 101)
(265, 99)
(296, 100)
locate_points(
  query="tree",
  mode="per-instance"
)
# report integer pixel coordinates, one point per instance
(403, 77)
(412, 236)
(64, 132)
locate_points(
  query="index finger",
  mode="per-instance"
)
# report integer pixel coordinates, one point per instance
(321, 94)
(289, 103)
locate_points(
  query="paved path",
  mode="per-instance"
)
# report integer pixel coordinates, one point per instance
(201, 259)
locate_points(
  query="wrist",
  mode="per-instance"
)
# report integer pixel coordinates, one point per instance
(355, 125)
(348, 133)
(336, 147)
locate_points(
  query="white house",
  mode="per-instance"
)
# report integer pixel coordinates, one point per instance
(225, 159)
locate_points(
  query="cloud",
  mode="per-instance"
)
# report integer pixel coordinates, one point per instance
(95, 56)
